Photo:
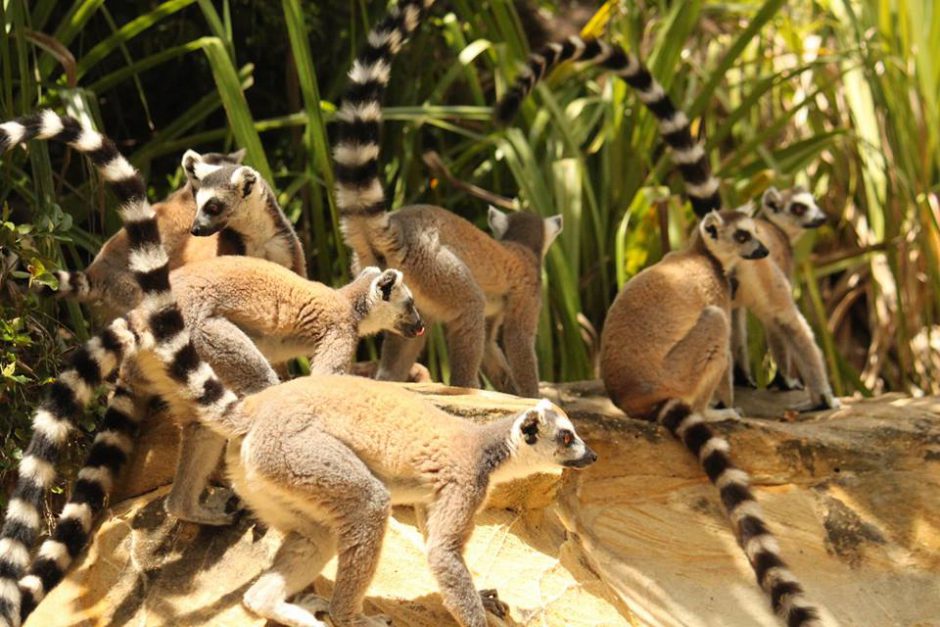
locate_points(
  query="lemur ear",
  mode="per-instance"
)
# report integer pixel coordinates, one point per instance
(498, 221)
(748, 209)
(190, 160)
(386, 282)
(529, 427)
(710, 224)
(772, 199)
(238, 156)
(244, 178)
(553, 227)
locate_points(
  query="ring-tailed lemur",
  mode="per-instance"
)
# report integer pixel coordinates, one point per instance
(220, 211)
(765, 288)
(688, 154)
(460, 275)
(243, 313)
(665, 354)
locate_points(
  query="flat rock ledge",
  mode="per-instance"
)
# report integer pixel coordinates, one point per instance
(637, 539)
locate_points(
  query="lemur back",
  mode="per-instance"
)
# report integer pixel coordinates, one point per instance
(665, 355)
(764, 287)
(460, 275)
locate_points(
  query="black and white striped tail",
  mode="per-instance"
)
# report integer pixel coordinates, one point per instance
(688, 154)
(53, 422)
(359, 191)
(109, 453)
(786, 594)
(164, 332)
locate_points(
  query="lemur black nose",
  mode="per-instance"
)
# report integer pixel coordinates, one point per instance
(759, 253)
(195, 231)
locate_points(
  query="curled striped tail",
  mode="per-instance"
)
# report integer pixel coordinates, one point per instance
(109, 453)
(74, 285)
(360, 196)
(95, 361)
(786, 594)
(53, 422)
(688, 154)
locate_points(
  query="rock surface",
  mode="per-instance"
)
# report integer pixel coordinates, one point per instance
(637, 539)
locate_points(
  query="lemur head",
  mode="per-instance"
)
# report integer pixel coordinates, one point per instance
(730, 236)
(543, 439)
(221, 189)
(532, 231)
(388, 305)
(792, 210)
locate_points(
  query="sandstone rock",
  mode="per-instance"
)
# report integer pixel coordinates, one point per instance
(637, 539)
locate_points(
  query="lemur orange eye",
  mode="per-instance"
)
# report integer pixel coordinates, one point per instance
(798, 208)
(567, 438)
(742, 237)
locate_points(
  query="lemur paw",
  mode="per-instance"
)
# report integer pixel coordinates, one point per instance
(824, 402)
(202, 515)
(492, 603)
(313, 603)
(784, 384)
(743, 379)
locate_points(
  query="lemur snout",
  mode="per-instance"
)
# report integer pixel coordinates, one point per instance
(759, 253)
(815, 223)
(584, 461)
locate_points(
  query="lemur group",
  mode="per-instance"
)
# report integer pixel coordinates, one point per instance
(207, 289)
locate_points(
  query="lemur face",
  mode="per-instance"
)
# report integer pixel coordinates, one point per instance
(731, 236)
(526, 228)
(392, 306)
(793, 210)
(220, 186)
(546, 439)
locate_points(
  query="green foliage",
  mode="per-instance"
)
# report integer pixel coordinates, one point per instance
(840, 96)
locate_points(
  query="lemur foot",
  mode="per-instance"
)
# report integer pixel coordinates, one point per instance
(492, 603)
(290, 614)
(825, 401)
(784, 384)
(376, 620)
(200, 514)
(743, 379)
(727, 413)
(313, 603)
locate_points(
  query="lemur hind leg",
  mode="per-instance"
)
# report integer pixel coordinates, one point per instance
(465, 340)
(330, 484)
(742, 361)
(698, 363)
(297, 564)
(244, 369)
(398, 356)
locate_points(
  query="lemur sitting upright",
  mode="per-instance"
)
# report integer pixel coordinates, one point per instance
(224, 209)
(702, 188)
(307, 317)
(665, 355)
(765, 288)
(460, 276)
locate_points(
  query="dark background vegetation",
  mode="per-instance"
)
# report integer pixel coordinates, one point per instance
(839, 96)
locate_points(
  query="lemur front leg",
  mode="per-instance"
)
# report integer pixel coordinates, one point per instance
(786, 378)
(244, 369)
(495, 365)
(739, 349)
(519, 330)
(466, 336)
(398, 356)
(808, 358)
(331, 355)
(449, 524)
